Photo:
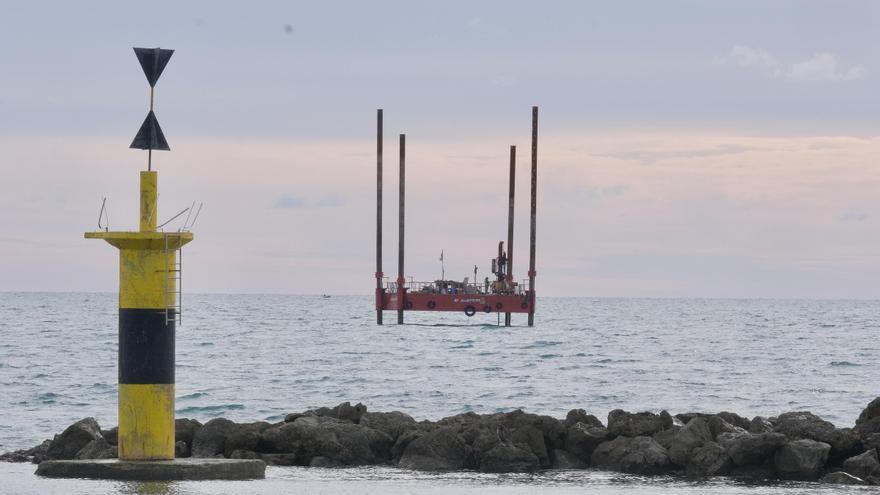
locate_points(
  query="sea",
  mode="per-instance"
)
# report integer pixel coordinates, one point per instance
(251, 357)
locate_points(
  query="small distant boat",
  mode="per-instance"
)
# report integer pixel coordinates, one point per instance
(325, 296)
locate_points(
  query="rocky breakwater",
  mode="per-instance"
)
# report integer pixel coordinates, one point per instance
(791, 446)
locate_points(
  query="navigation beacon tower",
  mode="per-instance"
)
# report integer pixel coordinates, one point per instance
(149, 302)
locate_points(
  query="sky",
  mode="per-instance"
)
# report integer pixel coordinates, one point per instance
(687, 148)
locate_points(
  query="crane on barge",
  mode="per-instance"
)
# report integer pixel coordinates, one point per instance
(502, 295)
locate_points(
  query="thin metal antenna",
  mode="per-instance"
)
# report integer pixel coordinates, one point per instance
(172, 218)
(193, 224)
(101, 215)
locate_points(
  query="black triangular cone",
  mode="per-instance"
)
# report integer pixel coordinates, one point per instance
(150, 136)
(153, 61)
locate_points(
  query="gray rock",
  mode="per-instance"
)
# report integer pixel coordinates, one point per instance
(753, 449)
(75, 437)
(287, 459)
(870, 412)
(801, 460)
(717, 425)
(867, 428)
(565, 460)
(869, 420)
(626, 424)
(344, 411)
(508, 458)
(438, 450)
(841, 478)
(686, 418)
(181, 449)
(34, 454)
(609, 454)
(111, 435)
(97, 449)
(734, 419)
(795, 425)
(760, 425)
(317, 436)
(665, 437)
(707, 460)
(210, 439)
(245, 436)
(725, 440)
(582, 439)
(864, 465)
(871, 441)
(325, 462)
(691, 436)
(185, 429)
(404, 439)
(646, 457)
(390, 423)
(244, 454)
(580, 416)
(531, 439)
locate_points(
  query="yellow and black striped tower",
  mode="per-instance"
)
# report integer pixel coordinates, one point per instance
(149, 277)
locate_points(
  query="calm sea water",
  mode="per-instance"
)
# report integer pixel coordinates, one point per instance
(258, 357)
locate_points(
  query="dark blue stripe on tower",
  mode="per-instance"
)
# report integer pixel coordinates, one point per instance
(146, 347)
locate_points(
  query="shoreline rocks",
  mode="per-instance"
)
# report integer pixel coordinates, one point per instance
(792, 446)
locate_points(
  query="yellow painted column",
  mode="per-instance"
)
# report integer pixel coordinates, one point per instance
(147, 319)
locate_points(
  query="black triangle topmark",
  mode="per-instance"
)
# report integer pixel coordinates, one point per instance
(150, 136)
(153, 61)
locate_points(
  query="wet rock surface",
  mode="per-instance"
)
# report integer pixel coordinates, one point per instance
(794, 445)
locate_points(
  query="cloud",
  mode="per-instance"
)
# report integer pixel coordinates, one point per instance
(289, 201)
(648, 157)
(822, 67)
(751, 57)
(854, 216)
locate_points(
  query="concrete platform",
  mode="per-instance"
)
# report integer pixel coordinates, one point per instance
(178, 469)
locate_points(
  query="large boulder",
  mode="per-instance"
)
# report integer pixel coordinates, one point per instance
(111, 435)
(760, 424)
(718, 425)
(627, 424)
(438, 450)
(710, 459)
(210, 439)
(73, 439)
(869, 420)
(801, 459)
(735, 419)
(609, 454)
(390, 423)
(665, 437)
(98, 448)
(841, 478)
(320, 436)
(646, 457)
(797, 425)
(580, 416)
(691, 436)
(639, 455)
(246, 436)
(753, 449)
(185, 429)
(506, 457)
(864, 465)
(344, 411)
(566, 460)
(582, 439)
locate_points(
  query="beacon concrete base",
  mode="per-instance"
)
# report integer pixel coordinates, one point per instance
(178, 469)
